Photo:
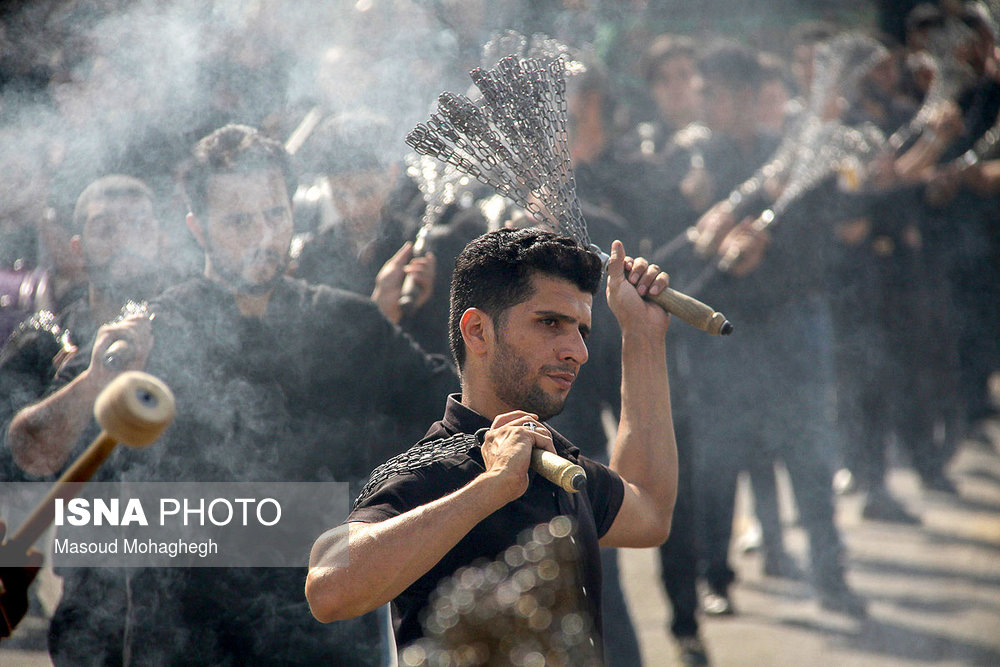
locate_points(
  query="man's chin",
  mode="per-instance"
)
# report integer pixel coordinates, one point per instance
(257, 286)
(548, 408)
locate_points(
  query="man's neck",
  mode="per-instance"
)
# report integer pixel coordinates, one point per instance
(252, 305)
(479, 402)
(249, 304)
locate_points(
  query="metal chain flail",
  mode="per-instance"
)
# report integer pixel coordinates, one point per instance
(416, 457)
(513, 139)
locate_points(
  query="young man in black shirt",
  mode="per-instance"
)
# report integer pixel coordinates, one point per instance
(521, 310)
(275, 380)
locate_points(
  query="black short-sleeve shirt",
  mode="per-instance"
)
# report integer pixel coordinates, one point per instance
(594, 510)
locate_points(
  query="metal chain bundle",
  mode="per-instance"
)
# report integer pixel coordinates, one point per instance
(441, 184)
(417, 457)
(521, 609)
(513, 139)
(951, 77)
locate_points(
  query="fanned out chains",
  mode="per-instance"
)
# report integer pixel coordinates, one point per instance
(512, 139)
(417, 457)
(952, 75)
(817, 147)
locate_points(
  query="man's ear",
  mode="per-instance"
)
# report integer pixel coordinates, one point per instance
(477, 331)
(76, 245)
(196, 229)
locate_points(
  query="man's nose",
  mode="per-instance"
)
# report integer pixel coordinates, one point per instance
(575, 350)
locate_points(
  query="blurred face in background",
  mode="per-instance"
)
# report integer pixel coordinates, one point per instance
(884, 75)
(772, 100)
(359, 197)
(676, 89)
(120, 245)
(725, 108)
(247, 230)
(802, 65)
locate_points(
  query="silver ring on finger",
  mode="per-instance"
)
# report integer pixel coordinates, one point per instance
(530, 426)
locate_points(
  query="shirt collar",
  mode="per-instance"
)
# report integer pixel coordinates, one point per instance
(459, 418)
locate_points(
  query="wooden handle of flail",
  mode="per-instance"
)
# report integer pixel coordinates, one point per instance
(134, 409)
(411, 290)
(559, 471)
(689, 309)
(692, 311)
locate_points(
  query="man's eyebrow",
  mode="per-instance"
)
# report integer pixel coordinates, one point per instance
(563, 317)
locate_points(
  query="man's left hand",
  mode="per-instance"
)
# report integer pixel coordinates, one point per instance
(743, 248)
(389, 281)
(629, 280)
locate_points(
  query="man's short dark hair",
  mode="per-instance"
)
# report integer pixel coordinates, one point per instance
(811, 33)
(233, 149)
(493, 273)
(924, 16)
(733, 65)
(113, 186)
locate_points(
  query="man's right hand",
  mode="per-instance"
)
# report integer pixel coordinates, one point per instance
(712, 227)
(121, 346)
(507, 449)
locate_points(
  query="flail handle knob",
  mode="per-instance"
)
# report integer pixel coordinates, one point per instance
(135, 408)
(561, 472)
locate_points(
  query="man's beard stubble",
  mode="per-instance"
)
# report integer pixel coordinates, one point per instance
(509, 373)
(137, 285)
(237, 283)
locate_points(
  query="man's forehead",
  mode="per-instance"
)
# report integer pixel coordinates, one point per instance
(551, 291)
(229, 189)
(118, 205)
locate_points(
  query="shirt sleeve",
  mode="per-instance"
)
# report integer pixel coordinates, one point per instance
(403, 492)
(606, 491)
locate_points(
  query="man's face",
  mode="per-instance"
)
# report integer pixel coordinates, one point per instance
(722, 107)
(676, 89)
(771, 102)
(540, 347)
(120, 243)
(248, 228)
(360, 197)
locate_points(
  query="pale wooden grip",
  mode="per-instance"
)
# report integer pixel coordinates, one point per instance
(558, 470)
(134, 408)
(66, 487)
(692, 311)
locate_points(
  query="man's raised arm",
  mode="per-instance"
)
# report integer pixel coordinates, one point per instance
(645, 452)
(42, 435)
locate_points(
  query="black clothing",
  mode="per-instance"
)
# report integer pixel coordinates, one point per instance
(334, 256)
(429, 324)
(594, 510)
(316, 390)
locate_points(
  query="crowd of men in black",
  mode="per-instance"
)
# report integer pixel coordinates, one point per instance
(864, 320)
